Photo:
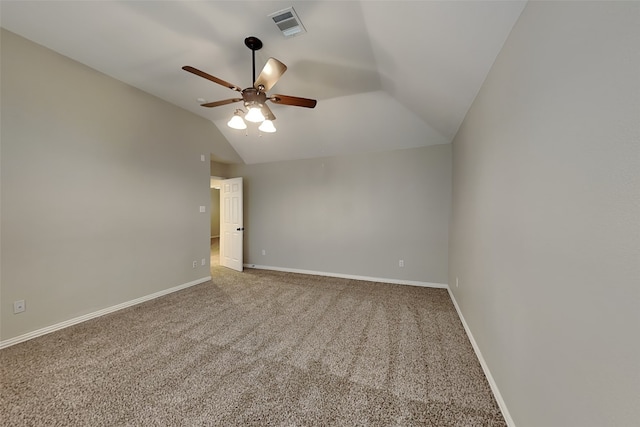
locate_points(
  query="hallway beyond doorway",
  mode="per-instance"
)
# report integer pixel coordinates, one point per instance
(215, 252)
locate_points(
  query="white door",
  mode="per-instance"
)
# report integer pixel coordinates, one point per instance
(231, 224)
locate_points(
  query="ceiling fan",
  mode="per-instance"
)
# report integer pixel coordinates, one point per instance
(255, 98)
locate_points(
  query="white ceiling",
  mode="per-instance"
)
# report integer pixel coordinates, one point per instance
(386, 74)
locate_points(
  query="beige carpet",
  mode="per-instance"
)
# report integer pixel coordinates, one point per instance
(256, 348)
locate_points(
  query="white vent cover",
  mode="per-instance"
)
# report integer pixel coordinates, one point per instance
(288, 22)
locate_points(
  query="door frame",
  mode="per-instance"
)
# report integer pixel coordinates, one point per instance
(231, 224)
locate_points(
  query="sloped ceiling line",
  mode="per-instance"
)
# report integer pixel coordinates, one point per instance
(387, 74)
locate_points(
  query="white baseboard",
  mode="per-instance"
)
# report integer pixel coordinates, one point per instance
(485, 368)
(84, 318)
(349, 276)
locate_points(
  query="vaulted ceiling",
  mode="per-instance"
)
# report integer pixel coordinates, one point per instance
(387, 74)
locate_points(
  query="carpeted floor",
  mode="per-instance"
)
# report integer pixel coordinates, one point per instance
(215, 252)
(256, 348)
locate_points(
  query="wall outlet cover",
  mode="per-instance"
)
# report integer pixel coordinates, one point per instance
(19, 306)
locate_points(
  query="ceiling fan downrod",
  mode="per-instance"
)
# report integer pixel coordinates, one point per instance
(254, 44)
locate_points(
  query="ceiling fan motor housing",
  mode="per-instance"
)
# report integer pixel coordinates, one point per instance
(253, 96)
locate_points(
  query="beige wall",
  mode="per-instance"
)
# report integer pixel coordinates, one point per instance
(219, 169)
(545, 232)
(353, 215)
(215, 212)
(101, 188)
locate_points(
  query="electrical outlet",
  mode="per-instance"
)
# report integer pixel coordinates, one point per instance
(195, 264)
(204, 261)
(19, 306)
(401, 263)
(264, 252)
(456, 281)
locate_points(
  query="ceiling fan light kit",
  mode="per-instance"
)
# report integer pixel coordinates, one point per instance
(255, 98)
(267, 126)
(254, 115)
(236, 121)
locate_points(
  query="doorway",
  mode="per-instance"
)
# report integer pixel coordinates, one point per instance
(227, 223)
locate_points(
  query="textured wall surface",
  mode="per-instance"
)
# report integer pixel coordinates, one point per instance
(545, 231)
(101, 185)
(353, 215)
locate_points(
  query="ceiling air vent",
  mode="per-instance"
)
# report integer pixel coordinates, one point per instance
(288, 22)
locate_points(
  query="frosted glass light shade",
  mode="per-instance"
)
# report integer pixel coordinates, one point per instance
(236, 122)
(254, 115)
(267, 126)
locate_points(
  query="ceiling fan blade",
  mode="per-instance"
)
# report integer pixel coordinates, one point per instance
(270, 74)
(293, 100)
(219, 103)
(210, 77)
(266, 112)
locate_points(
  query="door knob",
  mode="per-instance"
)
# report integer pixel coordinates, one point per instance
(240, 229)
